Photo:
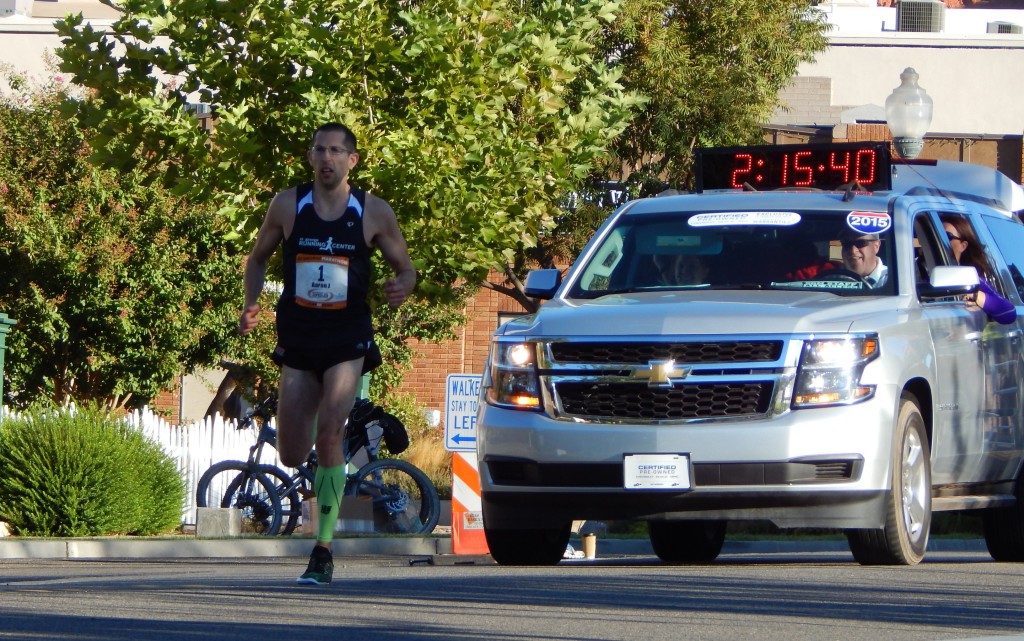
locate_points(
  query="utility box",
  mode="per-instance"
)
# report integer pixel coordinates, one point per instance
(15, 7)
(6, 322)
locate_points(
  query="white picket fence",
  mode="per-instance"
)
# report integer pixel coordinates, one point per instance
(194, 447)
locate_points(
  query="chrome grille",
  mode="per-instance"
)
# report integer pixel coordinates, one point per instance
(688, 353)
(632, 401)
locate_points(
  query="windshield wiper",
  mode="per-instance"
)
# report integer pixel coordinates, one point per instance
(598, 293)
(742, 286)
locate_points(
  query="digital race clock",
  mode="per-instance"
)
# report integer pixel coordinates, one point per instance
(817, 166)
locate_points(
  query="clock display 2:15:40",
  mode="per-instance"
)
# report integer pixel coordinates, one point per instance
(807, 168)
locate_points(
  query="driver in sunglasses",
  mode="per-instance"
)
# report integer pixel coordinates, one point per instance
(860, 256)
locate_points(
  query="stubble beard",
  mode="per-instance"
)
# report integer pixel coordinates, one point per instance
(330, 180)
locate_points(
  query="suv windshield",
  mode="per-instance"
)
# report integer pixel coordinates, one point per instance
(849, 254)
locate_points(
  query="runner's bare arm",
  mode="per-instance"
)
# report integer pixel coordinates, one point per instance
(388, 238)
(271, 232)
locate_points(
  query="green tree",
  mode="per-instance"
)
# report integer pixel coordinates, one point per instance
(117, 285)
(474, 120)
(710, 71)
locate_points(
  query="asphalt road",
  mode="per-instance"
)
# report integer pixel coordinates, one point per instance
(788, 596)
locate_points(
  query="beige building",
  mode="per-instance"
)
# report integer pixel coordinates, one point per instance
(27, 35)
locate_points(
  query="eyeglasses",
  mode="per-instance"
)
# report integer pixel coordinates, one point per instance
(952, 236)
(320, 150)
(859, 243)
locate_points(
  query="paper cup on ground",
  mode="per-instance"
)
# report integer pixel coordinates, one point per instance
(589, 546)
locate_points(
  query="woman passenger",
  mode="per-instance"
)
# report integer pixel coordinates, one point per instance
(969, 252)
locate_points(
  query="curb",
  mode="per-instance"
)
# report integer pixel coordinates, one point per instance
(140, 548)
(190, 547)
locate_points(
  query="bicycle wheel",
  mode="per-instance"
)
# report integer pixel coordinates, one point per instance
(403, 499)
(236, 484)
(290, 489)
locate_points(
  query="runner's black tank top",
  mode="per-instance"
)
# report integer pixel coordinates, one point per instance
(326, 276)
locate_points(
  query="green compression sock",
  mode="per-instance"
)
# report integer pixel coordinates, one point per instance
(329, 485)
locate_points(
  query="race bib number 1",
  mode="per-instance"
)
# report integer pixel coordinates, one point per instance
(321, 281)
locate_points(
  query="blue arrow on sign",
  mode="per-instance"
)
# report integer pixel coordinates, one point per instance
(459, 439)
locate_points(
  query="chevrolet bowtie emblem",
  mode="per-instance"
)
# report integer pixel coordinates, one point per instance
(661, 373)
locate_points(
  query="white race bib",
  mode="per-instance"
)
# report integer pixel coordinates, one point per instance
(321, 281)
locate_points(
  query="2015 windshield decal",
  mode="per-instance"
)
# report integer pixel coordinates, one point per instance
(868, 222)
(725, 218)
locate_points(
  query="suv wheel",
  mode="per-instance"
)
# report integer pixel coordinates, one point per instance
(1004, 528)
(528, 546)
(687, 541)
(908, 516)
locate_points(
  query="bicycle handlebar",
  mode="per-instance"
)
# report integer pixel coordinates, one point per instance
(264, 409)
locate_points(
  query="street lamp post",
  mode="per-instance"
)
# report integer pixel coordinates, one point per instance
(908, 110)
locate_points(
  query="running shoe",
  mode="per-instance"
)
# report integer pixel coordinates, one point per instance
(320, 568)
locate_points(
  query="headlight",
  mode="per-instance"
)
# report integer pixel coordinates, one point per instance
(513, 380)
(830, 371)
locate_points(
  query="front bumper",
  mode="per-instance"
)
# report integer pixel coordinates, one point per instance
(824, 467)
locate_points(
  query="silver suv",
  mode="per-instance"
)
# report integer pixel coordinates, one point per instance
(810, 355)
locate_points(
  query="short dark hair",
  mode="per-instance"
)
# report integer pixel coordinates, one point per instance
(340, 128)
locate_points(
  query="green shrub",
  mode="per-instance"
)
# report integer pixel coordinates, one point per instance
(84, 473)
(158, 483)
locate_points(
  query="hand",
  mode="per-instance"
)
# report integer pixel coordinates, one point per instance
(975, 300)
(397, 289)
(249, 319)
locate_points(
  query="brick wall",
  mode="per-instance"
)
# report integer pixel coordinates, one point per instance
(808, 101)
(168, 404)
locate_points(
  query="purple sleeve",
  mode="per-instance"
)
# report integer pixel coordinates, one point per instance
(998, 308)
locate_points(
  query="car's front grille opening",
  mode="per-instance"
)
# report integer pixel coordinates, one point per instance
(841, 470)
(610, 475)
(695, 353)
(638, 401)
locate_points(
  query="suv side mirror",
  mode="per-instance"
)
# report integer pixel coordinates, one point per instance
(543, 283)
(945, 282)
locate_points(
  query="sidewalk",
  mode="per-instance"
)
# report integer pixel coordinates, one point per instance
(192, 547)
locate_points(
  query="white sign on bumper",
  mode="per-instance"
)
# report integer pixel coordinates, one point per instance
(656, 472)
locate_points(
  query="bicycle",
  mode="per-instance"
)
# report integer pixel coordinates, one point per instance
(402, 498)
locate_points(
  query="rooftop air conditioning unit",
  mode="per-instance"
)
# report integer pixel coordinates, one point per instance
(1004, 27)
(15, 7)
(925, 16)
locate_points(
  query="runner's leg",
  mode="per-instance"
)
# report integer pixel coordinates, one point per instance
(339, 389)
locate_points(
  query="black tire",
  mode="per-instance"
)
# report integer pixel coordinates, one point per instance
(291, 501)
(403, 499)
(908, 517)
(687, 541)
(522, 546)
(1004, 528)
(236, 484)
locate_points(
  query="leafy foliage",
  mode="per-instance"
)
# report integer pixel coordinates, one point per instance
(474, 119)
(116, 285)
(85, 473)
(711, 70)
(710, 73)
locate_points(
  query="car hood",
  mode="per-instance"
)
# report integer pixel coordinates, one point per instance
(702, 313)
